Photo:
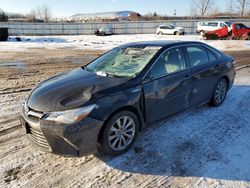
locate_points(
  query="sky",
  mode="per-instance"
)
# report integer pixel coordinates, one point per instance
(63, 8)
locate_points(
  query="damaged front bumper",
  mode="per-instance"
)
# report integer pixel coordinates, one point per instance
(69, 140)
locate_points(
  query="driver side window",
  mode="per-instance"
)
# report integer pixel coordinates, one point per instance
(169, 62)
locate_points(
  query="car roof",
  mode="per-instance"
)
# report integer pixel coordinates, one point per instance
(165, 25)
(214, 21)
(161, 43)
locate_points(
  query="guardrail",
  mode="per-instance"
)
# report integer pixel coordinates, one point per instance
(124, 27)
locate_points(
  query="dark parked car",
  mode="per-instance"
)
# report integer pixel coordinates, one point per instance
(104, 31)
(105, 104)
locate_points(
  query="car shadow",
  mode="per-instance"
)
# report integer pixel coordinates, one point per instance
(201, 142)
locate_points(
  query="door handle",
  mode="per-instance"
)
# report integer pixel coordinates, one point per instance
(187, 76)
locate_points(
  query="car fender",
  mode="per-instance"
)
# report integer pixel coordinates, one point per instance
(110, 104)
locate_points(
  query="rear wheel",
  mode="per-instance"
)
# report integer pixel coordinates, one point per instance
(220, 92)
(120, 133)
(204, 37)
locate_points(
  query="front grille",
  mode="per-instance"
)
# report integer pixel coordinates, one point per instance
(37, 137)
(30, 121)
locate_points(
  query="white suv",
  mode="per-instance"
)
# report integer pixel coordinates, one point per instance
(206, 26)
(170, 30)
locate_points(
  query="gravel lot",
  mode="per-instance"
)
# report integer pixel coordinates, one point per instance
(201, 147)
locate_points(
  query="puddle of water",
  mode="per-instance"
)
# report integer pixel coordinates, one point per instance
(14, 64)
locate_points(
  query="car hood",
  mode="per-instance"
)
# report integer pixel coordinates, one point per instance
(69, 90)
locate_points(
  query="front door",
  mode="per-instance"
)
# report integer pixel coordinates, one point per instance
(169, 88)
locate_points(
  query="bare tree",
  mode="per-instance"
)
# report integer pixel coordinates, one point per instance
(31, 16)
(193, 11)
(46, 13)
(3, 16)
(43, 13)
(201, 6)
(230, 7)
(215, 10)
(242, 6)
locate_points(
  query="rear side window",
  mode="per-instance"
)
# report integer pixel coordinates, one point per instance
(211, 55)
(197, 56)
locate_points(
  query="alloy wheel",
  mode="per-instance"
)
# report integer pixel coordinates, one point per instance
(220, 92)
(121, 133)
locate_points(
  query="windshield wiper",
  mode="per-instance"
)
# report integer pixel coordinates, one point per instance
(109, 74)
(114, 75)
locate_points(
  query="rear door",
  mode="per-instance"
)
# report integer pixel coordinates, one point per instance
(205, 72)
(167, 87)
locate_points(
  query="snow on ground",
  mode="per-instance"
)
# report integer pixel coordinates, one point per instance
(202, 147)
(108, 42)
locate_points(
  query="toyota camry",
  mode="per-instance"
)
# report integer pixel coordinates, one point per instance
(104, 105)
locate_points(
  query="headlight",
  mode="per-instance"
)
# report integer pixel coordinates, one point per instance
(69, 116)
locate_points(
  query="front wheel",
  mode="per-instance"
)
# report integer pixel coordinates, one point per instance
(177, 33)
(120, 133)
(220, 93)
(202, 33)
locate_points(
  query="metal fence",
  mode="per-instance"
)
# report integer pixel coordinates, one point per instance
(125, 27)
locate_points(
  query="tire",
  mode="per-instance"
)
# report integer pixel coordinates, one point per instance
(205, 37)
(160, 33)
(220, 92)
(114, 137)
(177, 33)
(202, 33)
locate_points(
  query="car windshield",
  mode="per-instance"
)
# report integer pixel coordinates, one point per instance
(171, 26)
(123, 62)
